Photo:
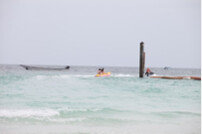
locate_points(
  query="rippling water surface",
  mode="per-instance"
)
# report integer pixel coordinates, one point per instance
(76, 102)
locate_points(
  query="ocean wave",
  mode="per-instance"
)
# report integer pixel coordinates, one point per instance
(27, 112)
(81, 110)
(41, 77)
(65, 115)
(178, 113)
(51, 112)
(66, 120)
(123, 75)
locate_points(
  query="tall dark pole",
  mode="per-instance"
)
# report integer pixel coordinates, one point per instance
(142, 60)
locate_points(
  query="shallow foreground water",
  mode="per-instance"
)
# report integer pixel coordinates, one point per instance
(76, 102)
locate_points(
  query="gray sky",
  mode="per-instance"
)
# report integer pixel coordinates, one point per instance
(100, 32)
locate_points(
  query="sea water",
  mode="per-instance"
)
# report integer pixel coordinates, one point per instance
(75, 102)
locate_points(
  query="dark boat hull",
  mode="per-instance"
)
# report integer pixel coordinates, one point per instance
(44, 68)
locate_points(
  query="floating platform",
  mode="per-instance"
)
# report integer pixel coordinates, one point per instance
(29, 67)
(177, 77)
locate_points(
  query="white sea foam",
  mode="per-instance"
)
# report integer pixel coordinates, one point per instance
(78, 119)
(40, 112)
(41, 77)
(27, 112)
(81, 109)
(123, 75)
(60, 76)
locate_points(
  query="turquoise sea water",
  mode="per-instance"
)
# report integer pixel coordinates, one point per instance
(75, 102)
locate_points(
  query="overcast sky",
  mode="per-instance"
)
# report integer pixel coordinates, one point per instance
(100, 32)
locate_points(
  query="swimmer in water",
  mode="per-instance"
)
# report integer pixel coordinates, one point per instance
(148, 72)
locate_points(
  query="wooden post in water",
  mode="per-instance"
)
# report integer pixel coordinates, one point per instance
(142, 60)
(143, 63)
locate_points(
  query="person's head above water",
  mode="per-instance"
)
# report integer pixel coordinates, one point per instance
(148, 70)
(100, 70)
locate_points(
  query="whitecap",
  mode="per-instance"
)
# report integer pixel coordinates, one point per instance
(123, 75)
(27, 112)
